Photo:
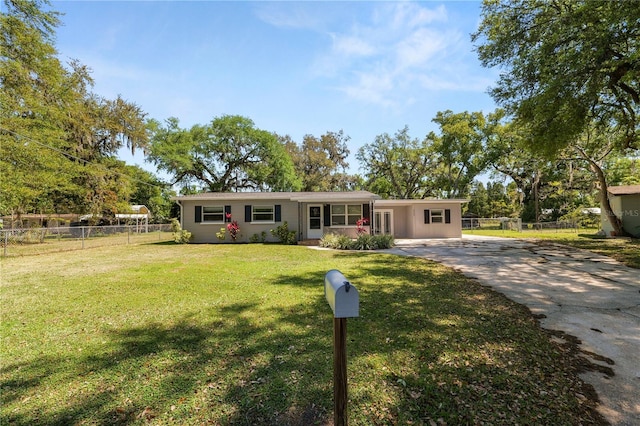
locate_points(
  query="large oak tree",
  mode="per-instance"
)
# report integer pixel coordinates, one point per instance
(398, 166)
(570, 70)
(321, 162)
(460, 151)
(228, 154)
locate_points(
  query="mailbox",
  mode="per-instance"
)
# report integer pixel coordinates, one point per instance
(341, 295)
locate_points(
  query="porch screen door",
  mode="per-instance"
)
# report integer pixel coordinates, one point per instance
(314, 227)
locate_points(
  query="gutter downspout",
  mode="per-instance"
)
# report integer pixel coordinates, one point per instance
(181, 214)
(372, 215)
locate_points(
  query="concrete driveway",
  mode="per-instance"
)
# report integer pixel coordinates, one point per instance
(585, 295)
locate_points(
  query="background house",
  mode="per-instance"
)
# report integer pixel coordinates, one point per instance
(625, 202)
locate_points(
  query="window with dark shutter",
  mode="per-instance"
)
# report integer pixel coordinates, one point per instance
(247, 214)
(278, 212)
(447, 216)
(327, 215)
(427, 216)
(227, 213)
(198, 214)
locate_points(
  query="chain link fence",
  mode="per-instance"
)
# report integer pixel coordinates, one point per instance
(34, 241)
(506, 224)
(515, 224)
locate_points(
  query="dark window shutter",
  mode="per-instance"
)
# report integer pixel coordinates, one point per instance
(198, 214)
(365, 211)
(427, 216)
(278, 212)
(447, 216)
(247, 214)
(327, 215)
(227, 210)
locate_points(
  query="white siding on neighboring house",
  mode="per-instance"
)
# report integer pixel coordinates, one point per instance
(625, 203)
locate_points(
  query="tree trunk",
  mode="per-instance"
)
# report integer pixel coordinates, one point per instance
(605, 203)
(536, 196)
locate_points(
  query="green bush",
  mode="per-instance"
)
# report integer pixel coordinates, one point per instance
(336, 241)
(255, 238)
(584, 220)
(327, 241)
(384, 241)
(363, 242)
(283, 235)
(180, 236)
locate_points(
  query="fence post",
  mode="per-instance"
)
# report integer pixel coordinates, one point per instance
(6, 242)
(83, 237)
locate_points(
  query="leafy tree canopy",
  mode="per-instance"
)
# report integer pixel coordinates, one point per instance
(322, 162)
(459, 150)
(398, 166)
(228, 154)
(565, 64)
(57, 138)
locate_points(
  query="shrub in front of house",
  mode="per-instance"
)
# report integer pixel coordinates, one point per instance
(335, 241)
(363, 242)
(283, 235)
(180, 236)
(384, 241)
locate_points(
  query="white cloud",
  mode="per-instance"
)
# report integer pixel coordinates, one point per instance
(351, 45)
(452, 80)
(389, 56)
(292, 15)
(380, 61)
(419, 47)
(407, 15)
(371, 87)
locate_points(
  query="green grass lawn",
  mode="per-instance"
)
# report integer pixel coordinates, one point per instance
(53, 243)
(624, 250)
(242, 334)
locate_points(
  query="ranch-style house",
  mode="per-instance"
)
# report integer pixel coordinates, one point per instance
(313, 214)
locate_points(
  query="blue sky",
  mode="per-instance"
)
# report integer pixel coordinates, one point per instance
(294, 68)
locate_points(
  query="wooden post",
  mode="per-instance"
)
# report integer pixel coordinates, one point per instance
(340, 371)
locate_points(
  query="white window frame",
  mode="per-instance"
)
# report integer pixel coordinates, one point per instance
(272, 213)
(348, 218)
(206, 214)
(437, 216)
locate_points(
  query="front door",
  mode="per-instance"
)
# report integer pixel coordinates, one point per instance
(383, 222)
(314, 223)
